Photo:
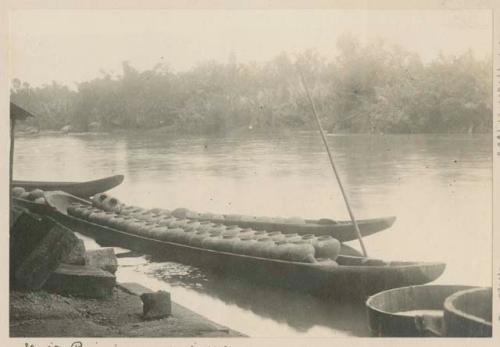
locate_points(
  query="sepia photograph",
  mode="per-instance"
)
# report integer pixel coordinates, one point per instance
(250, 173)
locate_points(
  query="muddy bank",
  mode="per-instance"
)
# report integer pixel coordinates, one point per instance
(40, 314)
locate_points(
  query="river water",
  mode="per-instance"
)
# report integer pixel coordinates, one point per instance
(438, 187)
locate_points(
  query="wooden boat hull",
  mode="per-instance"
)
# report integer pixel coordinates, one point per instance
(468, 313)
(386, 310)
(80, 189)
(340, 282)
(343, 231)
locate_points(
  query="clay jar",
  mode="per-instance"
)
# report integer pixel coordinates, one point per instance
(17, 191)
(180, 212)
(198, 237)
(169, 234)
(115, 221)
(165, 213)
(24, 196)
(79, 210)
(87, 211)
(247, 232)
(107, 219)
(41, 201)
(292, 237)
(72, 209)
(179, 223)
(166, 221)
(280, 250)
(243, 245)
(226, 243)
(232, 230)
(98, 199)
(145, 228)
(98, 217)
(186, 236)
(217, 228)
(131, 210)
(311, 238)
(122, 223)
(111, 204)
(212, 241)
(276, 236)
(160, 211)
(192, 215)
(145, 216)
(190, 236)
(205, 226)
(157, 232)
(192, 225)
(327, 247)
(262, 248)
(301, 251)
(327, 263)
(176, 234)
(133, 226)
(259, 234)
(155, 218)
(35, 194)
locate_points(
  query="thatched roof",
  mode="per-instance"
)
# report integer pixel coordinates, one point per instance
(18, 113)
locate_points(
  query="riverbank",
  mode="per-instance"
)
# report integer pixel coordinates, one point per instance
(178, 131)
(41, 314)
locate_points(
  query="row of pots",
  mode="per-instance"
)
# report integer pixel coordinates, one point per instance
(36, 195)
(185, 213)
(108, 203)
(277, 245)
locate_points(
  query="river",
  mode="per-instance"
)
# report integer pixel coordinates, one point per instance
(438, 187)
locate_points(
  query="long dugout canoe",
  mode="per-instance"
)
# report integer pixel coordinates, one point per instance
(349, 280)
(341, 230)
(353, 278)
(80, 189)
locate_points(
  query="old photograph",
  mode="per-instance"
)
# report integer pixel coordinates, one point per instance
(250, 173)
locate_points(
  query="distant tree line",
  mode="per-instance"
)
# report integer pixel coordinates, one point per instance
(365, 89)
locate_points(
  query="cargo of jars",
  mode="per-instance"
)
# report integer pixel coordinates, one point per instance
(177, 227)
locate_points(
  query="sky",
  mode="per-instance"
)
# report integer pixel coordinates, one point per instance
(70, 46)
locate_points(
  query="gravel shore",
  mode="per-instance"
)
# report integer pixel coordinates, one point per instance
(41, 314)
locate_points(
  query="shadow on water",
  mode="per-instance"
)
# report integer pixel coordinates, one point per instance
(299, 311)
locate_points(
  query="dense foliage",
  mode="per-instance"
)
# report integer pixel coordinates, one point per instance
(372, 88)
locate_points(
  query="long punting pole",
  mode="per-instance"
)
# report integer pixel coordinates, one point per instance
(323, 136)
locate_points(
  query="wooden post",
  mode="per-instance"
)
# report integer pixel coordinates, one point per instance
(323, 136)
(11, 161)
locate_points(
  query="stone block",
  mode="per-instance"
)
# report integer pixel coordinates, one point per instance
(156, 305)
(34, 269)
(26, 232)
(77, 256)
(83, 281)
(103, 258)
(134, 288)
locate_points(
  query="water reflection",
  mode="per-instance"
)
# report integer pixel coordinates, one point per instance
(438, 186)
(298, 311)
